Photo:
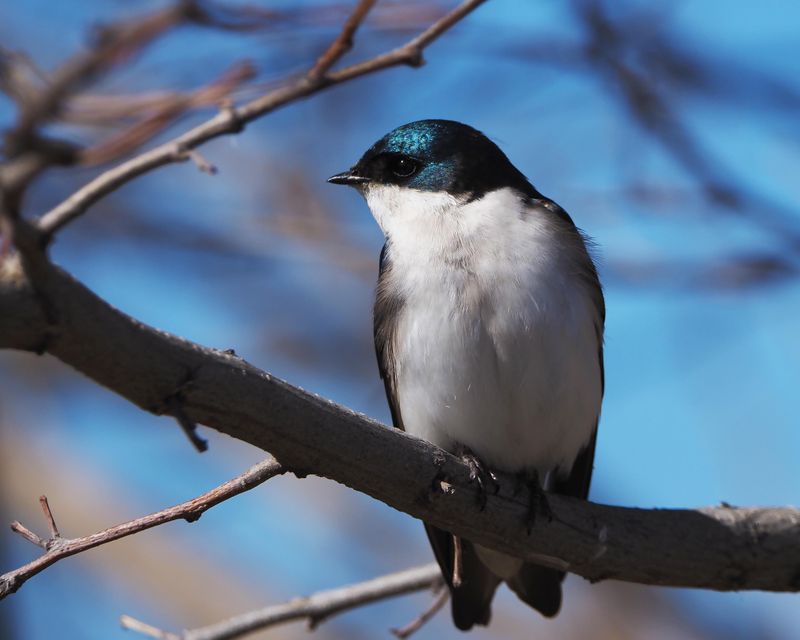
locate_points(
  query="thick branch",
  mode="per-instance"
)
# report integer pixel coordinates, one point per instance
(58, 547)
(231, 120)
(716, 548)
(315, 608)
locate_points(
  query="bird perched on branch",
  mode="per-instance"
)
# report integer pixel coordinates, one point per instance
(488, 329)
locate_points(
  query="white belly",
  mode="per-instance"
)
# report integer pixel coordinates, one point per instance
(520, 391)
(496, 346)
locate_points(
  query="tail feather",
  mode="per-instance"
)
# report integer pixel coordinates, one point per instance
(539, 587)
(472, 599)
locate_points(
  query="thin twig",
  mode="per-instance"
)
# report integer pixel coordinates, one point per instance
(189, 428)
(48, 515)
(201, 163)
(164, 113)
(314, 608)
(411, 52)
(440, 598)
(30, 536)
(113, 44)
(190, 510)
(132, 624)
(458, 561)
(344, 42)
(232, 120)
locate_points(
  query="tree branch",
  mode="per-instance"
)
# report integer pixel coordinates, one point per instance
(153, 118)
(233, 119)
(112, 44)
(344, 42)
(58, 547)
(441, 596)
(720, 548)
(315, 608)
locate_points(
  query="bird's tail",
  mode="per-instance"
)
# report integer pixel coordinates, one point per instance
(539, 587)
(472, 599)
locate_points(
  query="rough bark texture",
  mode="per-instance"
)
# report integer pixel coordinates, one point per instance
(720, 548)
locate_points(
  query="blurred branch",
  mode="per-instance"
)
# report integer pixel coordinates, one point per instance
(441, 597)
(652, 74)
(233, 119)
(715, 548)
(736, 271)
(57, 547)
(164, 112)
(42, 97)
(315, 608)
(111, 44)
(344, 42)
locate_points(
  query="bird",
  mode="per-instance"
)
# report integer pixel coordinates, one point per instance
(488, 328)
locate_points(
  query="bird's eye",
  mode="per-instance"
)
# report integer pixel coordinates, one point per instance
(403, 167)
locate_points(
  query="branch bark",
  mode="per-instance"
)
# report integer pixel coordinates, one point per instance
(315, 608)
(721, 548)
(57, 547)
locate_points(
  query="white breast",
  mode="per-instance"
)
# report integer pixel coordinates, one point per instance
(496, 346)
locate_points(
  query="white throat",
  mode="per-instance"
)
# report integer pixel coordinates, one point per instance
(410, 216)
(435, 225)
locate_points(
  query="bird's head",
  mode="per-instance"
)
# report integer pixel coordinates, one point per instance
(435, 156)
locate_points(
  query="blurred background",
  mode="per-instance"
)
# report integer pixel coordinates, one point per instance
(668, 130)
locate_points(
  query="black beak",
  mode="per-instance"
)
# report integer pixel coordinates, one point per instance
(349, 178)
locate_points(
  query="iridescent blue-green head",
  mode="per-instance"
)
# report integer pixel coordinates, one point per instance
(436, 155)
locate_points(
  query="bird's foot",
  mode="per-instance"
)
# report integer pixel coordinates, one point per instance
(483, 477)
(537, 498)
(439, 483)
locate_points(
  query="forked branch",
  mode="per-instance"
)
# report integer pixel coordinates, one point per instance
(233, 119)
(315, 608)
(57, 547)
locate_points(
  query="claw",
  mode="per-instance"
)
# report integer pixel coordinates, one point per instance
(439, 479)
(538, 503)
(481, 476)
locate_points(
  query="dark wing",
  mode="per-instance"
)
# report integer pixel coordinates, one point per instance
(385, 316)
(580, 476)
(472, 600)
(539, 586)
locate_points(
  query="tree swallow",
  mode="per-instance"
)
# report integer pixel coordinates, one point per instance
(488, 327)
